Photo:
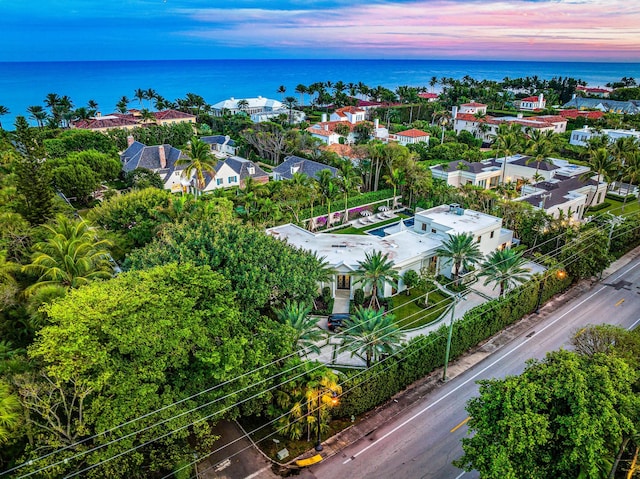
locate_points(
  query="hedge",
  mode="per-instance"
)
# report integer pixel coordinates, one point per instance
(364, 390)
(599, 207)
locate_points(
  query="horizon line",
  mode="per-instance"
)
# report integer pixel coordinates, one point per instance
(327, 59)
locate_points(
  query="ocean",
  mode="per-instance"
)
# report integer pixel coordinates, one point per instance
(27, 83)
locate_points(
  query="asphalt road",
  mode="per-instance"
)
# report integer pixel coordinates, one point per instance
(422, 442)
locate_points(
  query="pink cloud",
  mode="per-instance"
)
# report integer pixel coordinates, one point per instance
(438, 29)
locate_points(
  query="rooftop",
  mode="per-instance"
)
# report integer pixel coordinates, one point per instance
(470, 221)
(350, 249)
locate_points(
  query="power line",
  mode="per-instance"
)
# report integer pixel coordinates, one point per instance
(181, 428)
(195, 395)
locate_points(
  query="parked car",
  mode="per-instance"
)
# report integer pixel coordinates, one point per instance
(335, 321)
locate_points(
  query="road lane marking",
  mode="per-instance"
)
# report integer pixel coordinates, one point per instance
(460, 425)
(461, 475)
(472, 378)
(633, 325)
(620, 302)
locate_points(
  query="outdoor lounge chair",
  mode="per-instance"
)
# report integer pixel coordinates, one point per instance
(380, 216)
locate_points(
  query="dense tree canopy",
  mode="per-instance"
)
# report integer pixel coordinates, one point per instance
(263, 271)
(129, 346)
(564, 417)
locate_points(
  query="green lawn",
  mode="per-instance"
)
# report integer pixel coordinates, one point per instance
(411, 313)
(631, 207)
(359, 229)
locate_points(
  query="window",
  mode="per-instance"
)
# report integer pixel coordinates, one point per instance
(251, 170)
(433, 230)
(424, 226)
(233, 179)
(219, 181)
(479, 239)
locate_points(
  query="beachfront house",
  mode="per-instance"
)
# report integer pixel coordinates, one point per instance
(294, 164)
(234, 171)
(160, 159)
(408, 246)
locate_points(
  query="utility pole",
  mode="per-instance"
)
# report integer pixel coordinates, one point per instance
(456, 298)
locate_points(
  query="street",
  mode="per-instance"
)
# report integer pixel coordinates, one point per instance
(423, 440)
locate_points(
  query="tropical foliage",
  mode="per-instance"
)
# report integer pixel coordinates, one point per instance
(463, 252)
(376, 271)
(371, 334)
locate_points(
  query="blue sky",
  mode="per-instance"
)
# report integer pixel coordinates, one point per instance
(194, 29)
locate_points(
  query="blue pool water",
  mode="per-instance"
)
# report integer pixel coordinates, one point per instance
(380, 231)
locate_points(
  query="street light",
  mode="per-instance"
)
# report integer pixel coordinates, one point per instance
(334, 402)
(456, 298)
(560, 274)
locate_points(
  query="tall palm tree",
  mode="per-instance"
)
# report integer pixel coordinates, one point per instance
(508, 145)
(69, 257)
(123, 104)
(3, 111)
(307, 334)
(140, 94)
(462, 250)
(371, 333)
(506, 268)
(349, 182)
(199, 161)
(541, 147)
(600, 161)
(282, 89)
(37, 113)
(301, 90)
(632, 173)
(621, 150)
(375, 272)
(395, 178)
(242, 104)
(290, 102)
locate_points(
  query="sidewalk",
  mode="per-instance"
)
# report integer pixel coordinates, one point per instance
(373, 419)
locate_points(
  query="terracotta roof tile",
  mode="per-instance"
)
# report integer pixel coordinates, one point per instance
(412, 133)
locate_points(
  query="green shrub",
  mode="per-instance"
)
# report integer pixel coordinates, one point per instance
(601, 206)
(358, 297)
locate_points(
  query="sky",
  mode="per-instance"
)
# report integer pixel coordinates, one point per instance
(536, 30)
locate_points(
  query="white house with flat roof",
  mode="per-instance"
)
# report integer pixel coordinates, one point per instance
(407, 247)
(582, 136)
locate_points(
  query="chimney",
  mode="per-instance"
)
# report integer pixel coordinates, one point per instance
(162, 156)
(541, 101)
(573, 97)
(324, 117)
(98, 114)
(376, 124)
(130, 140)
(454, 112)
(326, 127)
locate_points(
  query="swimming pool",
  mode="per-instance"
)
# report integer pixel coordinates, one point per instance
(390, 228)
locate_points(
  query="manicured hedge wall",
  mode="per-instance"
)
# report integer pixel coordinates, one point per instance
(364, 390)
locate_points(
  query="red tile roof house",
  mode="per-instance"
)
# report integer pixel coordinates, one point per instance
(599, 92)
(531, 103)
(411, 137)
(133, 119)
(429, 96)
(351, 114)
(471, 123)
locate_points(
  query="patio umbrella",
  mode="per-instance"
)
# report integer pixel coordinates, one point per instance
(365, 213)
(383, 208)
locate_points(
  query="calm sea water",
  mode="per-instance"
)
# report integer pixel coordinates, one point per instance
(25, 84)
